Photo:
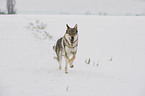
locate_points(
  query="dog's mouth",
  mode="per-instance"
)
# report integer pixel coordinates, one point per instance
(72, 39)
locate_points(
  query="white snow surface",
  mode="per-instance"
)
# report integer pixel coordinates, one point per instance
(28, 67)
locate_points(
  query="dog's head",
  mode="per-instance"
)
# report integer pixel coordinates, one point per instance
(72, 33)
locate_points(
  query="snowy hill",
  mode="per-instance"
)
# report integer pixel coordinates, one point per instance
(115, 46)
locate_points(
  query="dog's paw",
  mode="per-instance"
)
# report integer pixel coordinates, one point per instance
(72, 66)
(66, 72)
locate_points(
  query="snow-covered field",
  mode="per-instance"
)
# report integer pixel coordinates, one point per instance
(115, 46)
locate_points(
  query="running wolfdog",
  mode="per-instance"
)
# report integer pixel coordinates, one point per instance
(67, 46)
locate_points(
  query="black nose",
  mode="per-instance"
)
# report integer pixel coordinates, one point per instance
(72, 38)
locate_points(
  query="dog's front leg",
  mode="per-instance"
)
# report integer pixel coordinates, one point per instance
(73, 58)
(69, 61)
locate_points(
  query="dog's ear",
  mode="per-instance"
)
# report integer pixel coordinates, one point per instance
(76, 26)
(67, 26)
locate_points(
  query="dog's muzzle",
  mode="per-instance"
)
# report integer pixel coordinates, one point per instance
(72, 39)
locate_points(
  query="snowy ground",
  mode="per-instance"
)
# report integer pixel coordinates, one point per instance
(27, 67)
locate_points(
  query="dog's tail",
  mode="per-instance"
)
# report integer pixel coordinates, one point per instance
(54, 47)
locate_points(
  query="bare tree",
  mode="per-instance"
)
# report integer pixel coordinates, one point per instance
(11, 6)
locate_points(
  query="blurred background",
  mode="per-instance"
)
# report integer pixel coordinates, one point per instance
(74, 7)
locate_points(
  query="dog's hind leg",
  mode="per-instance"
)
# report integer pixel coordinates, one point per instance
(59, 65)
(59, 59)
(66, 66)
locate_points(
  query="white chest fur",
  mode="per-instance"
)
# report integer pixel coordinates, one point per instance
(70, 51)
